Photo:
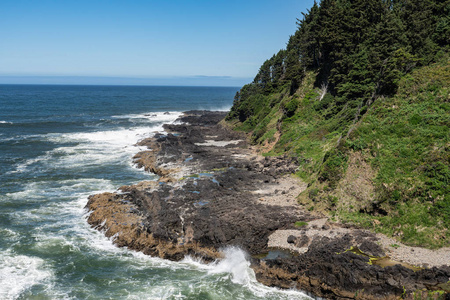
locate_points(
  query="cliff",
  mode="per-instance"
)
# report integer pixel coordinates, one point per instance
(366, 115)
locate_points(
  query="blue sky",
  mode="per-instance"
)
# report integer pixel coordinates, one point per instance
(222, 42)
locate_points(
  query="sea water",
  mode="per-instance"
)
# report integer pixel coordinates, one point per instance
(60, 144)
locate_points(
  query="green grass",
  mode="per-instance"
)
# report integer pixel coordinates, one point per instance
(404, 138)
(301, 223)
(410, 223)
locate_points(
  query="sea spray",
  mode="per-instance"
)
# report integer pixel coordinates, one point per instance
(236, 264)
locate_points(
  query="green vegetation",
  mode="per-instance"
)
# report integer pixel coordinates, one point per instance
(190, 176)
(361, 97)
(301, 223)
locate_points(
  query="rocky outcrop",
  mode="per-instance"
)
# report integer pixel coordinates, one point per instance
(214, 191)
(329, 270)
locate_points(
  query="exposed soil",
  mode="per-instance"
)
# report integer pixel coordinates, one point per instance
(215, 191)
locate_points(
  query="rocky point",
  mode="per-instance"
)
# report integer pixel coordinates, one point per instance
(215, 191)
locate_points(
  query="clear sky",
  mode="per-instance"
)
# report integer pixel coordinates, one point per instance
(215, 42)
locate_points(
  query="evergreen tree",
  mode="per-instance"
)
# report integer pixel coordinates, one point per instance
(441, 35)
(307, 40)
(417, 16)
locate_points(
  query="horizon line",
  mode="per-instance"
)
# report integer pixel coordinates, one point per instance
(195, 80)
(141, 85)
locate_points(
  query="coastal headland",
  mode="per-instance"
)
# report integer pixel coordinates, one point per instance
(216, 191)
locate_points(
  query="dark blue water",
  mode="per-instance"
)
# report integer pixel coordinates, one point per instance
(60, 144)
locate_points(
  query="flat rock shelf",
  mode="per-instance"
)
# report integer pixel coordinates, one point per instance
(215, 191)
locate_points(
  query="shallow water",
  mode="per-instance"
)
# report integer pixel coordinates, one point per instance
(60, 144)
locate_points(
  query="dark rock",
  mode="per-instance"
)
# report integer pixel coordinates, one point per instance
(291, 239)
(371, 248)
(302, 241)
(325, 227)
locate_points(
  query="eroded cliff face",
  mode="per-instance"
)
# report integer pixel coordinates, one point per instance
(214, 192)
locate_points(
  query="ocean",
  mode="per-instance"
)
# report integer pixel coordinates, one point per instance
(60, 144)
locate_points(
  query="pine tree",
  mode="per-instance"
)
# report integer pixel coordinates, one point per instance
(417, 16)
(308, 38)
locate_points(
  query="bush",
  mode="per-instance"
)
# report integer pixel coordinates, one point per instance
(335, 163)
(291, 107)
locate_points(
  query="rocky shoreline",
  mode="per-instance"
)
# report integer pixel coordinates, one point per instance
(215, 191)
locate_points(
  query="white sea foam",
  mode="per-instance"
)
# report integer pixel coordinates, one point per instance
(62, 212)
(92, 149)
(5, 122)
(19, 273)
(57, 209)
(23, 166)
(6, 232)
(30, 190)
(165, 117)
(98, 147)
(62, 189)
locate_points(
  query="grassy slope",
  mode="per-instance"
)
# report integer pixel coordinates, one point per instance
(389, 171)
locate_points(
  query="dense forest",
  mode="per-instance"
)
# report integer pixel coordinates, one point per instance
(360, 96)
